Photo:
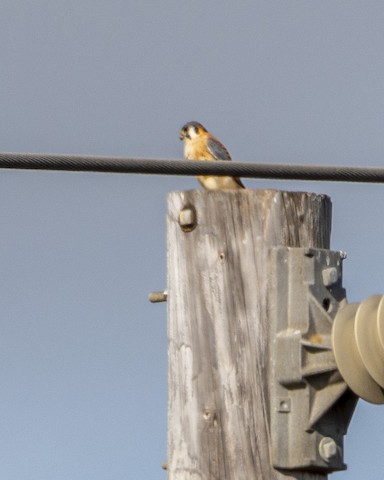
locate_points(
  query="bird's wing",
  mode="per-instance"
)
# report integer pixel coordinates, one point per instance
(217, 150)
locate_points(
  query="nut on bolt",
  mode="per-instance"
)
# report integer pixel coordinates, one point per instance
(328, 448)
(187, 219)
(157, 297)
(330, 276)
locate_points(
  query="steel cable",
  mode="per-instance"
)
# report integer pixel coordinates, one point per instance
(90, 163)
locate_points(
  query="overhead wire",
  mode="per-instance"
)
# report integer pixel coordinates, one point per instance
(93, 163)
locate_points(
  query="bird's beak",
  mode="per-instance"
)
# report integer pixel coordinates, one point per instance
(181, 135)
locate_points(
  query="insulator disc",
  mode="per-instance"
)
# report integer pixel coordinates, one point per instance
(348, 358)
(369, 318)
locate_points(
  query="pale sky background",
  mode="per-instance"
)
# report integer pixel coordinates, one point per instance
(82, 353)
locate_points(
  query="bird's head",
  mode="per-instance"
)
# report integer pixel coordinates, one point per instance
(191, 130)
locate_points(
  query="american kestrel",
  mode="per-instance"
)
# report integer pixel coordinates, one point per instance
(199, 144)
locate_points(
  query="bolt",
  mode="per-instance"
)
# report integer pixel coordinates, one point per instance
(187, 219)
(284, 405)
(330, 276)
(157, 297)
(328, 448)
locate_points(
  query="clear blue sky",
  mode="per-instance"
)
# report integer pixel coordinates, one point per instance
(82, 353)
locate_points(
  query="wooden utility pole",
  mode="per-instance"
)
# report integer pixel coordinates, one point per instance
(219, 278)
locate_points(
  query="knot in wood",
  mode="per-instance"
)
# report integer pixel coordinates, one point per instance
(209, 415)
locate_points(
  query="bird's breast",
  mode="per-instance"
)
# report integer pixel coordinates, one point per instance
(197, 150)
(219, 183)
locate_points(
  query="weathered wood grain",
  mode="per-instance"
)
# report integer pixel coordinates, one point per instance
(218, 277)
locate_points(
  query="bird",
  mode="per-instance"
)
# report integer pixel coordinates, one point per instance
(199, 144)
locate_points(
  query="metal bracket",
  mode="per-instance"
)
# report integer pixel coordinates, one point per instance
(311, 406)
